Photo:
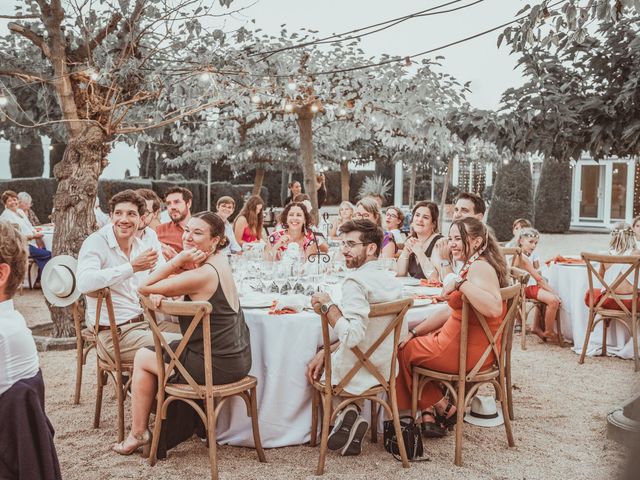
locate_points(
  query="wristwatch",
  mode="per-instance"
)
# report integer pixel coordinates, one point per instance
(445, 263)
(324, 309)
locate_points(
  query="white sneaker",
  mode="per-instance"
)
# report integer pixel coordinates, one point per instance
(339, 435)
(354, 444)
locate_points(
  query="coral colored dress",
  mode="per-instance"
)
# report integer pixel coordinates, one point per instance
(440, 350)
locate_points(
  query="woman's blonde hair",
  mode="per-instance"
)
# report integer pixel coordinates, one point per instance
(371, 206)
(347, 204)
(13, 252)
(622, 239)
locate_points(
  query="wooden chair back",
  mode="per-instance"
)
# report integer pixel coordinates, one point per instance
(104, 296)
(200, 311)
(515, 253)
(387, 380)
(595, 270)
(498, 342)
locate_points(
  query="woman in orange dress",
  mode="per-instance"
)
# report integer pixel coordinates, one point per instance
(483, 274)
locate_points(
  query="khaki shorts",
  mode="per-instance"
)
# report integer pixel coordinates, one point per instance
(133, 337)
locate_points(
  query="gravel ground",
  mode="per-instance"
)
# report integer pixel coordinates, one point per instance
(559, 429)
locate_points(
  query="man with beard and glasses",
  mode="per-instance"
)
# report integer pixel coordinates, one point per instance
(367, 283)
(178, 202)
(110, 257)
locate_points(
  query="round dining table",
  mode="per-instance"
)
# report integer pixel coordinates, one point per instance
(281, 348)
(570, 281)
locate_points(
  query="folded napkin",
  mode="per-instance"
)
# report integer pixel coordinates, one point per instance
(567, 260)
(430, 283)
(289, 304)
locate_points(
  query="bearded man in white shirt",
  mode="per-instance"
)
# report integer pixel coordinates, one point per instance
(110, 257)
(367, 283)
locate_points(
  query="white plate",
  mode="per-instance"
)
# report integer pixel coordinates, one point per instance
(421, 302)
(423, 290)
(409, 281)
(256, 301)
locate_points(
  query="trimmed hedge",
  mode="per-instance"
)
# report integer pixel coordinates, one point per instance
(512, 198)
(553, 197)
(41, 190)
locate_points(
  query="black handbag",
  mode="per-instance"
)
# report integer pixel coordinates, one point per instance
(411, 436)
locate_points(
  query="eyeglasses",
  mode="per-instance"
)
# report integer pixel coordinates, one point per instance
(365, 215)
(350, 244)
(391, 214)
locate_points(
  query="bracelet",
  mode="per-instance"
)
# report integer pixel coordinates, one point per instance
(413, 332)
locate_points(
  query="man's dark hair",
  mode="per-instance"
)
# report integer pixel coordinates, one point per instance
(149, 194)
(479, 207)
(369, 232)
(128, 196)
(187, 196)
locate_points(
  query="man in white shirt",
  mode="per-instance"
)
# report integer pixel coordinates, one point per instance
(101, 218)
(18, 355)
(224, 208)
(368, 283)
(110, 258)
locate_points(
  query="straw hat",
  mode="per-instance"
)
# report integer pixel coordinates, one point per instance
(484, 412)
(59, 281)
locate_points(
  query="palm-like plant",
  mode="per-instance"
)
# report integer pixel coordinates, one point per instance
(375, 186)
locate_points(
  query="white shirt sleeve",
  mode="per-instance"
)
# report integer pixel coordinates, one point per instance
(90, 275)
(355, 308)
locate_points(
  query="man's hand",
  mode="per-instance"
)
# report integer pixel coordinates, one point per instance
(145, 261)
(168, 252)
(315, 367)
(319, 299)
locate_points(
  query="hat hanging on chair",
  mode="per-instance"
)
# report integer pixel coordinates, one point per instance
(484, 412)
(59, 281)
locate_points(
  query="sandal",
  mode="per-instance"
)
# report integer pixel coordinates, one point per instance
(431, 429)
(143, 441)
(448, 419)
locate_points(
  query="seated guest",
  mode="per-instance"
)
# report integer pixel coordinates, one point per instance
(368, 209)
(483, 273)
(296, 228)
(366, 284)
(153, 207)
(101, 218)
(295, 188)
(225, 207)
(622, 242)
(518, 224)
(14, 215)
(321, 188)
(538, 288)
(393, 220)
(305, 200)
(26, 435)
(178, 202)
(636, 230)
(417, 258)
(145, 233)
(110, 257)
(345, 214)
(247, 226)
(211, 280)
(25, 204)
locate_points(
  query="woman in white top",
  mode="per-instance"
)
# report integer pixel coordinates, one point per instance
(18, 355)
(14, 215)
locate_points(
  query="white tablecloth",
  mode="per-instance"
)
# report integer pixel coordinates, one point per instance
(281, 347)
(571, 283)
(48, 238)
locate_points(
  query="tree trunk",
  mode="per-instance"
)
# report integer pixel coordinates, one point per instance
(344, 181)
(304, 118)
(445, 188)
(257, 181)
(28, 160)
(77, 174)
(55, 155)
(412, 184)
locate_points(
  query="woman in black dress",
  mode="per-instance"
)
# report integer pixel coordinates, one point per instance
(416, 257)
(200, 272)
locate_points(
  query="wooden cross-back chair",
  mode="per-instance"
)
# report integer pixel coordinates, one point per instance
(213, 396)
(85, 342)
(475, 377)
(107, 365)
(598, 312)
(520, 277)
(324, 391)
(515, 253)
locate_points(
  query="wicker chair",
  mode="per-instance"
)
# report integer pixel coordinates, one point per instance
(475, 377)
(598, 313)
(107, 366)
(213, 396)
(325, 390)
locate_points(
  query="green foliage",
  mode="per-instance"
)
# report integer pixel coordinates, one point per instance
(512, 198)
(553, 197)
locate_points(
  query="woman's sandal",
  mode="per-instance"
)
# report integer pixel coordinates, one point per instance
(432, 429)
(143, 441)
(447, 419)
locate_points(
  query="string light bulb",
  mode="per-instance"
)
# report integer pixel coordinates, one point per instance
(164, 154)
(288, 107)
(218, 147)
(343, 111)
(204, 77)
(18, 146)
(50, 147)
(250, 153)
(3, 100)
(292, 85)
(315, 108)
(256, 98)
